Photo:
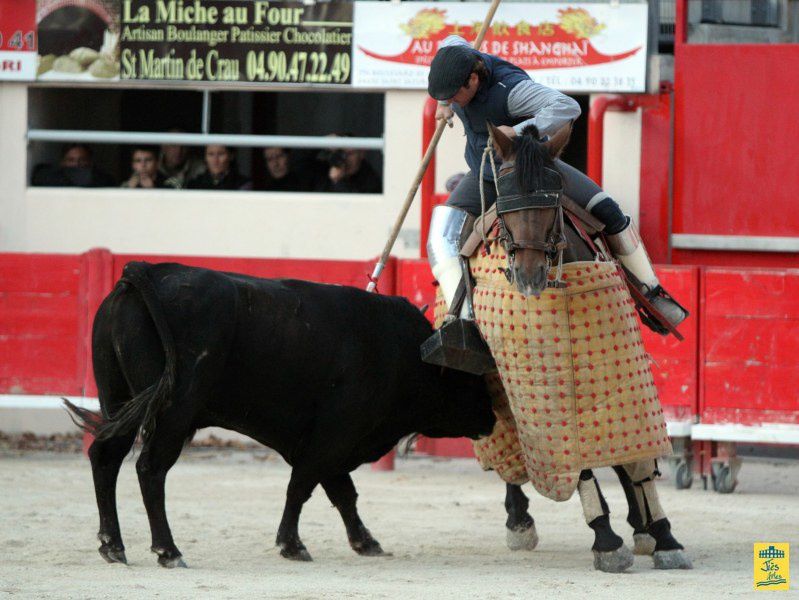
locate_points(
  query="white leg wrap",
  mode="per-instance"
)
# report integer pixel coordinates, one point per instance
(589, 498)
(645, 491)
(650, 493)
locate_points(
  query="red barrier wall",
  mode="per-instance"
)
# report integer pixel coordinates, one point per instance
(737, 363)
(40, 324)
(724, 174)
(749, 346)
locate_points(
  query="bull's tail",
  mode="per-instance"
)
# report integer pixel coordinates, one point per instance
(84, 418)
(141, 411)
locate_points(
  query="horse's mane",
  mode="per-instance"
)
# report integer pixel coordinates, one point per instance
(531, 158)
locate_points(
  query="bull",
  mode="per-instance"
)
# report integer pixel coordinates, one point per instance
(328, 376)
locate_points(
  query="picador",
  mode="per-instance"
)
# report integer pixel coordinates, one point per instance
(481, 88)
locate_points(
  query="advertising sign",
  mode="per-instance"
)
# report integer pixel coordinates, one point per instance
(78, 40)
(569, 46)
(235, 41)
(225, 41)
(18, 40)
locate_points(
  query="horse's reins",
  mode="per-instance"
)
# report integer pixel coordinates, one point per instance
(508, 203)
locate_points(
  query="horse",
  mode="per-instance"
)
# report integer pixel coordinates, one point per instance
(536, 234)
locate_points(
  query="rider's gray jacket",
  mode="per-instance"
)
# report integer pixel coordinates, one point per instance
(547, 109)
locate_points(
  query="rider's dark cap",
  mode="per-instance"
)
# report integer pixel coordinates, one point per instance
(449, 71)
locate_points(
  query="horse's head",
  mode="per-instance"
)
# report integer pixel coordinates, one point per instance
(528, 205)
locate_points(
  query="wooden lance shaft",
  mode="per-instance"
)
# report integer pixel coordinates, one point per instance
(428, 155)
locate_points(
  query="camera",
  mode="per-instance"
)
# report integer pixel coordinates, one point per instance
(335, 158)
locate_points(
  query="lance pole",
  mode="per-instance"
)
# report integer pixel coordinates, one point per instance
(428, 155)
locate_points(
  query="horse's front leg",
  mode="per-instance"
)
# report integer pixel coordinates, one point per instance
(521, 533)
(644, 544)
(668, 553)
(610, 553)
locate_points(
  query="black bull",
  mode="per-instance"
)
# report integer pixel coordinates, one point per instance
(328, 376)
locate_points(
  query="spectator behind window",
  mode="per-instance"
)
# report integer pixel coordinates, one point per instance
(177, 165)
(349, 172)
(144, 164)
(279, 173)
(76, 169)
(220, 172)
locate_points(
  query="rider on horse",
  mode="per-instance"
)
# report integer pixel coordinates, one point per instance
(480, 87)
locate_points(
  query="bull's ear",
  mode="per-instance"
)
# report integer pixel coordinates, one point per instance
(557, 143)
(502, 143)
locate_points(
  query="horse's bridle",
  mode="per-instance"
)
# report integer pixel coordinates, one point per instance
(555, 242)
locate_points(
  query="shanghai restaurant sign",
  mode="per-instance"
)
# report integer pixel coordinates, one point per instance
(569, 46)
(577, 47)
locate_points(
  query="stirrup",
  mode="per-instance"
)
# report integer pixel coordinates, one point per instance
(668, 307)
(459, 345)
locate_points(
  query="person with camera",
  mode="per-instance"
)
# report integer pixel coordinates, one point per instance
(348, 172)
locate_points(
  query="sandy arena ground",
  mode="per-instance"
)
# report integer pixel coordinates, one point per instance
(443, 520)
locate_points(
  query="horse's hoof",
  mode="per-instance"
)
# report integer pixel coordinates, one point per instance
(615, 561)
(521, 537)
(113, 555)
(644, 544)
(368, 548)
(295, 553)
(672, 559)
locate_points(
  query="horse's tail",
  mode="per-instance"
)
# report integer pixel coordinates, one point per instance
(142, 410)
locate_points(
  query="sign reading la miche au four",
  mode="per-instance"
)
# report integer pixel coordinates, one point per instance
(230, 41)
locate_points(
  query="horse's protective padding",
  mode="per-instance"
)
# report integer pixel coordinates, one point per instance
(577, 377)
(501, 451)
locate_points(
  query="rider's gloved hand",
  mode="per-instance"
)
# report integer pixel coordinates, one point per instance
(444, 112)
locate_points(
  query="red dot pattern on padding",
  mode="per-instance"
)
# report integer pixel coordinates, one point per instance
(579, 392)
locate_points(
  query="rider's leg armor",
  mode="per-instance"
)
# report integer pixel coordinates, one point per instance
(626, 245)
(449, 228)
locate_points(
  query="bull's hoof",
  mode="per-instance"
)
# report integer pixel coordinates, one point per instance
(672, 559)
(176, 562)
(170, 559)
(615, 561)
(644, 544)
(521, 537)
(295, 552)
(113, 554)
